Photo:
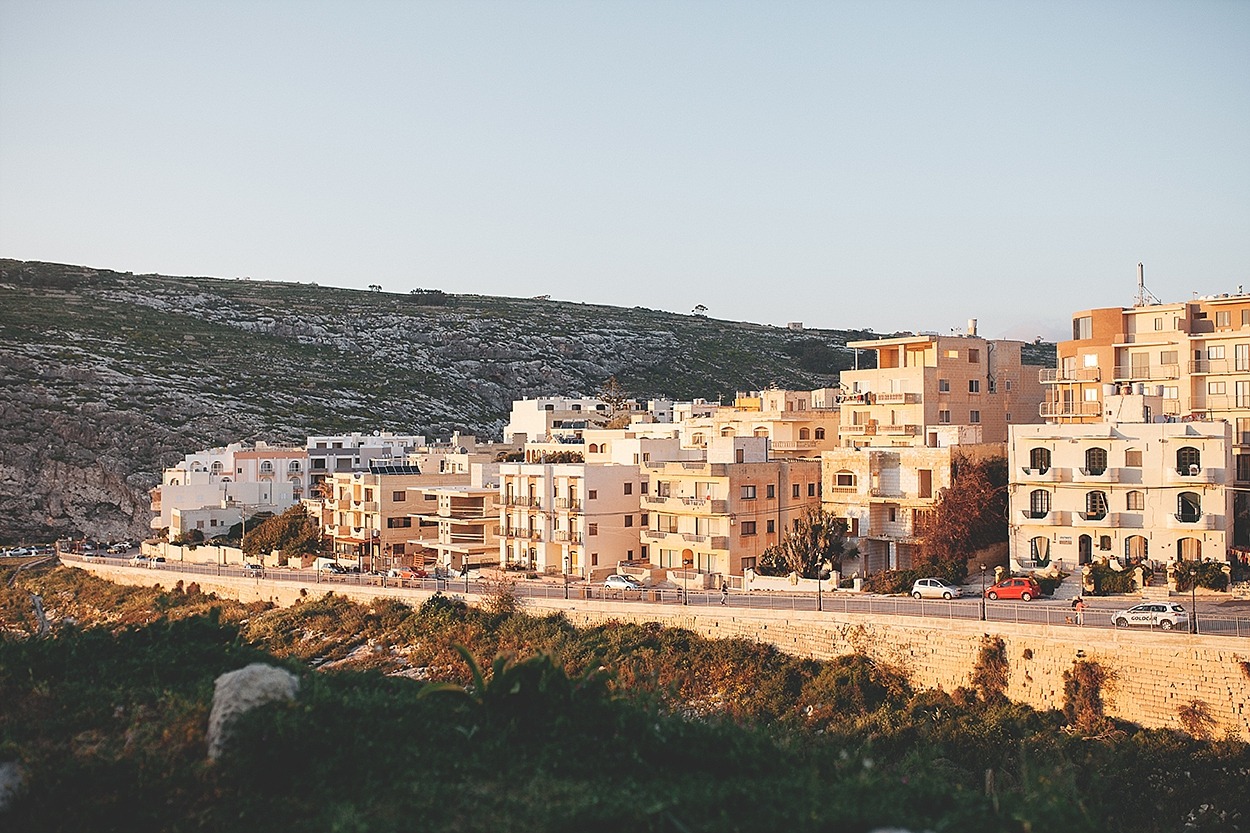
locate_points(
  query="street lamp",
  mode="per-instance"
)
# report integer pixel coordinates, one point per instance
(1193, 600)
(819, 601)
(982, 592)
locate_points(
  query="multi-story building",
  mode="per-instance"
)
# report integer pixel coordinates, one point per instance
(1194, 354)
(717, 516)
(925, 385)
(575, 518)
(344, 453)
(886, 493)
(1130, 486)
(542, 420)
(233, 478)
(466, 520)
(792, 421)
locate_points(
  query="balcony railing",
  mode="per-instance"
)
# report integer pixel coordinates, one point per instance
(523, 500)
(1138, 372)
(1050, 474)
(1070, 409)
(897, 398)
(911, 430)
(1103, 475)
(1179, 476)
(1052, 375)
(1210, 366)
(564, 536)
(794, 445)
(569, 504)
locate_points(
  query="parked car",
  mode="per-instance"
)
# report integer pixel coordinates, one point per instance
(1024, 588)
(157, 562)
(335, 569)
(1165, 615)
(18, 552)
(935, 588)
(408, 572)
(120, 548)
(253, 569)
(619, 582)
(137, 561)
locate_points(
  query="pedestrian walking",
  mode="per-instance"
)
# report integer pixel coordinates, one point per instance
(1080, 610)
(724, 593)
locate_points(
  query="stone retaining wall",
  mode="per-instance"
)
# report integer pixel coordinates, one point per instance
(1153, 674)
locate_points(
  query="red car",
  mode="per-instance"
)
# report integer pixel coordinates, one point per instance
(1014, 588)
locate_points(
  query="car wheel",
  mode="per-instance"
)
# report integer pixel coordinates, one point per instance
(1121, 622)
(947, 596)
(1026, 596)
(1166, 624)
(916, 594)
(993, 596)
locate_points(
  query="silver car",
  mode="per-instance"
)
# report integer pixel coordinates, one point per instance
(935, 588)
(1165, 615)
(619, 582)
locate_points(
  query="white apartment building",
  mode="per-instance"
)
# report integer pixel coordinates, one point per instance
(466, 520)
(245, 478)
(339, 453)
(1131, 486)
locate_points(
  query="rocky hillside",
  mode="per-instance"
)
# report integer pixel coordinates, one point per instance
(106, 377)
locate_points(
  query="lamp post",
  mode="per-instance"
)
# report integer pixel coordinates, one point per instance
(819, 601)
(686, 564)
(982, 592)
(1193, 600)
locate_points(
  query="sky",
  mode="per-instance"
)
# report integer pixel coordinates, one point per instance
(883, 165)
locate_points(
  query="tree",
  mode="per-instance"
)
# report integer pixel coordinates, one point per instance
(294, 532)
(699, 309)
(970, 516)
(816, 544)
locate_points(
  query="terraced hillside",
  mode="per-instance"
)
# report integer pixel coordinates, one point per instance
(106, 377)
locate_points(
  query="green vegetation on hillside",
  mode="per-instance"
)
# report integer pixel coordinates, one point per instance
(675, 733)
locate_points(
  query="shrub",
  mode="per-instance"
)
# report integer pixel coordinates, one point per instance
(989, 677)
(1108, 581)
(1082, 697)
(1211, 575)
(893, 581)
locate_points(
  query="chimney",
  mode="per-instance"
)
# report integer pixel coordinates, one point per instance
(972, 326)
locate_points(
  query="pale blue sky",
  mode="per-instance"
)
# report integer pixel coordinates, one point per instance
(894, 165)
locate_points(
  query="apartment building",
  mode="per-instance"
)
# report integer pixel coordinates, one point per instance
(234, 478)
(715, 517)
(886, 494)
(796, 423)
(1195, 355)
(933, 390)
(1129, 486)
(547, 418)
(465, 520)
(574, 518)
(344, 453)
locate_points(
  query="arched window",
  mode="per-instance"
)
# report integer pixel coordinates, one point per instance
(1104, 543)
(1095, 461)
(844, 479)
(696, 439)
(1095, 506)
(820, 433)
(1189, 549)
(593, 448)
(1135, 547)
(1039, 503)
(1039, 460)
(805, 434)
(1039, 548)
(727, 432)
(1188, 461)
(1188, 507)
(761, 431)
(266, 467)
(216, 467)
(1135, 501)
(293, 466)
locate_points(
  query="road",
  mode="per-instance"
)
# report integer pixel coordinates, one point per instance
(1214, 618)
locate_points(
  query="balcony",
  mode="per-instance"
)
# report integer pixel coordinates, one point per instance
(570, 504)
(906, 430)
(897, 398)
(1055, 517)
(794, 445)
(1070, 409)
(1050, 474)
(1052, 376)
(527, 534)
(1145, 373)
(526, 501)
(1177, 477)
(1194, 520)
(564, 536)
(1103, 520)
(1210, 366)
(868, 428)
(364, 506)
(1107, 475)
(706, 504)
(655, 534)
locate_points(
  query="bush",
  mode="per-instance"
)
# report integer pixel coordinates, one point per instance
(1047, 585)
(892, 581)
(1108, 581)
(1211, 575)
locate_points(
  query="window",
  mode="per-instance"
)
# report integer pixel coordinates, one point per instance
(974, 355)
(1158, 323)
(924, 483)
(811, 490)
(1242, 437)
(629, 488)
(1132, 458)
(944, 417)
(805, 434)
(1091, 394)
(399, 496)
(643, 519)
(993, 386)
(593, 494)
(1083, 327)
(893, 514)
(944, 385)
(1188, 507)
(1243, 466)
(1188, 460)
(1039, 459)
(1216, 388)
(592, 529)
(820, 433)
(1095, 461)
(1171, 392)
(1223, 318)
(398, 523)
(772, 527)
(748, 493)
(1104, 543)
(1136, 501)
(629, 520)
(1095, 506)
(771, 492)
(594, 559)
(1167, 357)
(748, 528)
(974, 417)
(1215, 351)
(1039, 503)
(212, 522)
(1242, 392)
(1245, 318)
(844, 479)
(794, 490)
(974, 386)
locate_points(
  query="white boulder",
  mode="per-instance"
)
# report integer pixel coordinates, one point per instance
(238, 692)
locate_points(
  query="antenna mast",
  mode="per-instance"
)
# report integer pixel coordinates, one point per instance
(1144, 295)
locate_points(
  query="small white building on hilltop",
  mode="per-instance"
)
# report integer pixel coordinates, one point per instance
(1131, 487)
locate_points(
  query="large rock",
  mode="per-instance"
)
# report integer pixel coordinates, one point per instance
(12, 779)
(238, 692)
